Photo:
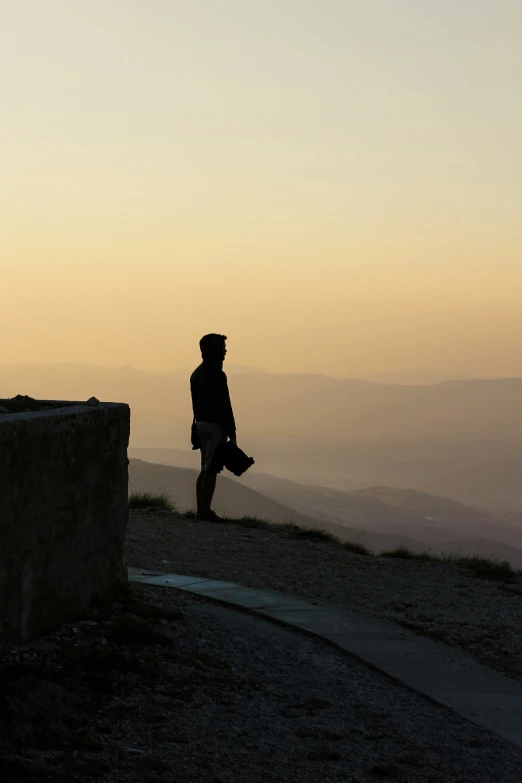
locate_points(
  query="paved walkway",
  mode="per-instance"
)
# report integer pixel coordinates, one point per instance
(431, 668)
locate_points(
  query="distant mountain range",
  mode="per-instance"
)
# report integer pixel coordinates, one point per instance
(414, 377)
(460, 439)
(293, 406)
(380, 518)
(428, 518)
(496, 484)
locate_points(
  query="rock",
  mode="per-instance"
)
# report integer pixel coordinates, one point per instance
(40, 645)
(93, 402)
(3, 410)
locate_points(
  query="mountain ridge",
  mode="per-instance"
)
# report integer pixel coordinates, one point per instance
(237, 499)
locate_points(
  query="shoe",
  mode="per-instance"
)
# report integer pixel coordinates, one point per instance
(211, 516)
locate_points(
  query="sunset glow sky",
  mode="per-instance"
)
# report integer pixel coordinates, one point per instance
(336, 185)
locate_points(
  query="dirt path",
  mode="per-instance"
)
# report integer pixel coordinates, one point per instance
(187, 692)
(440, 600)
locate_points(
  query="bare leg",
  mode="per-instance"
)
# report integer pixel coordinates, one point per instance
(208, 485)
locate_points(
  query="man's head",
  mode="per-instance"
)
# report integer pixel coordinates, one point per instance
(213, 347)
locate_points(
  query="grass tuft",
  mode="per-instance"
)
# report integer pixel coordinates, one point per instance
(251, 522)
(358, 549)
(287, 529)
(291, 530)
(312, 534)
(480, 567)
(403, 553)
(487, 568)
(148, 500)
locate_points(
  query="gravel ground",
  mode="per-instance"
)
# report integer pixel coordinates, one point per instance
(440, 600)
(193, 693)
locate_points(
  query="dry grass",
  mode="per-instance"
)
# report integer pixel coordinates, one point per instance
(148, 500)
(480, 567)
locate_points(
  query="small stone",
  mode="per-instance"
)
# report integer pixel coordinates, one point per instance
(40, 645)
(93, 402)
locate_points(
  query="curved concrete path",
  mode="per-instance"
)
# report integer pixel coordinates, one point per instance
(431, 668)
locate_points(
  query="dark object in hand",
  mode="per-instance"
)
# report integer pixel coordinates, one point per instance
(232, 458)
(194, 437)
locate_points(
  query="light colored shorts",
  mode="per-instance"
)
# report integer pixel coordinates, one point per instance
(210, 436)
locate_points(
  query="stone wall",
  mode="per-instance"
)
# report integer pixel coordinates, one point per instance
(63, 513)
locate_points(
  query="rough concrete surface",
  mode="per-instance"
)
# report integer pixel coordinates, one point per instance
(63, 513)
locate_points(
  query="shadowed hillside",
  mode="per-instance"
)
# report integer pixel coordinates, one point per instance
(370, 521)
(231, 499)
(418, 515)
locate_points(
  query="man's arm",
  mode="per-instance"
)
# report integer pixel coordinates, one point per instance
(227, 414)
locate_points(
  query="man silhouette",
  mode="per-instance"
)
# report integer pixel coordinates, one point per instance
(213, 416)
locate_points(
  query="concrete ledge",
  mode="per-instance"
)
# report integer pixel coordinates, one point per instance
(63, 513)
(431, 668)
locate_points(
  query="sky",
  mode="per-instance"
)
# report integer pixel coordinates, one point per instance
(334, 185)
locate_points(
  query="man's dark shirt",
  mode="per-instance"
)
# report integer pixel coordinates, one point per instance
(211, 398)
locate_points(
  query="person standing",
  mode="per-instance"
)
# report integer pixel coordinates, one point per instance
(213, 416)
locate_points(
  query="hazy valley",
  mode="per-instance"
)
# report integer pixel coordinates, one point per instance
(428, 466)
(379, 518)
